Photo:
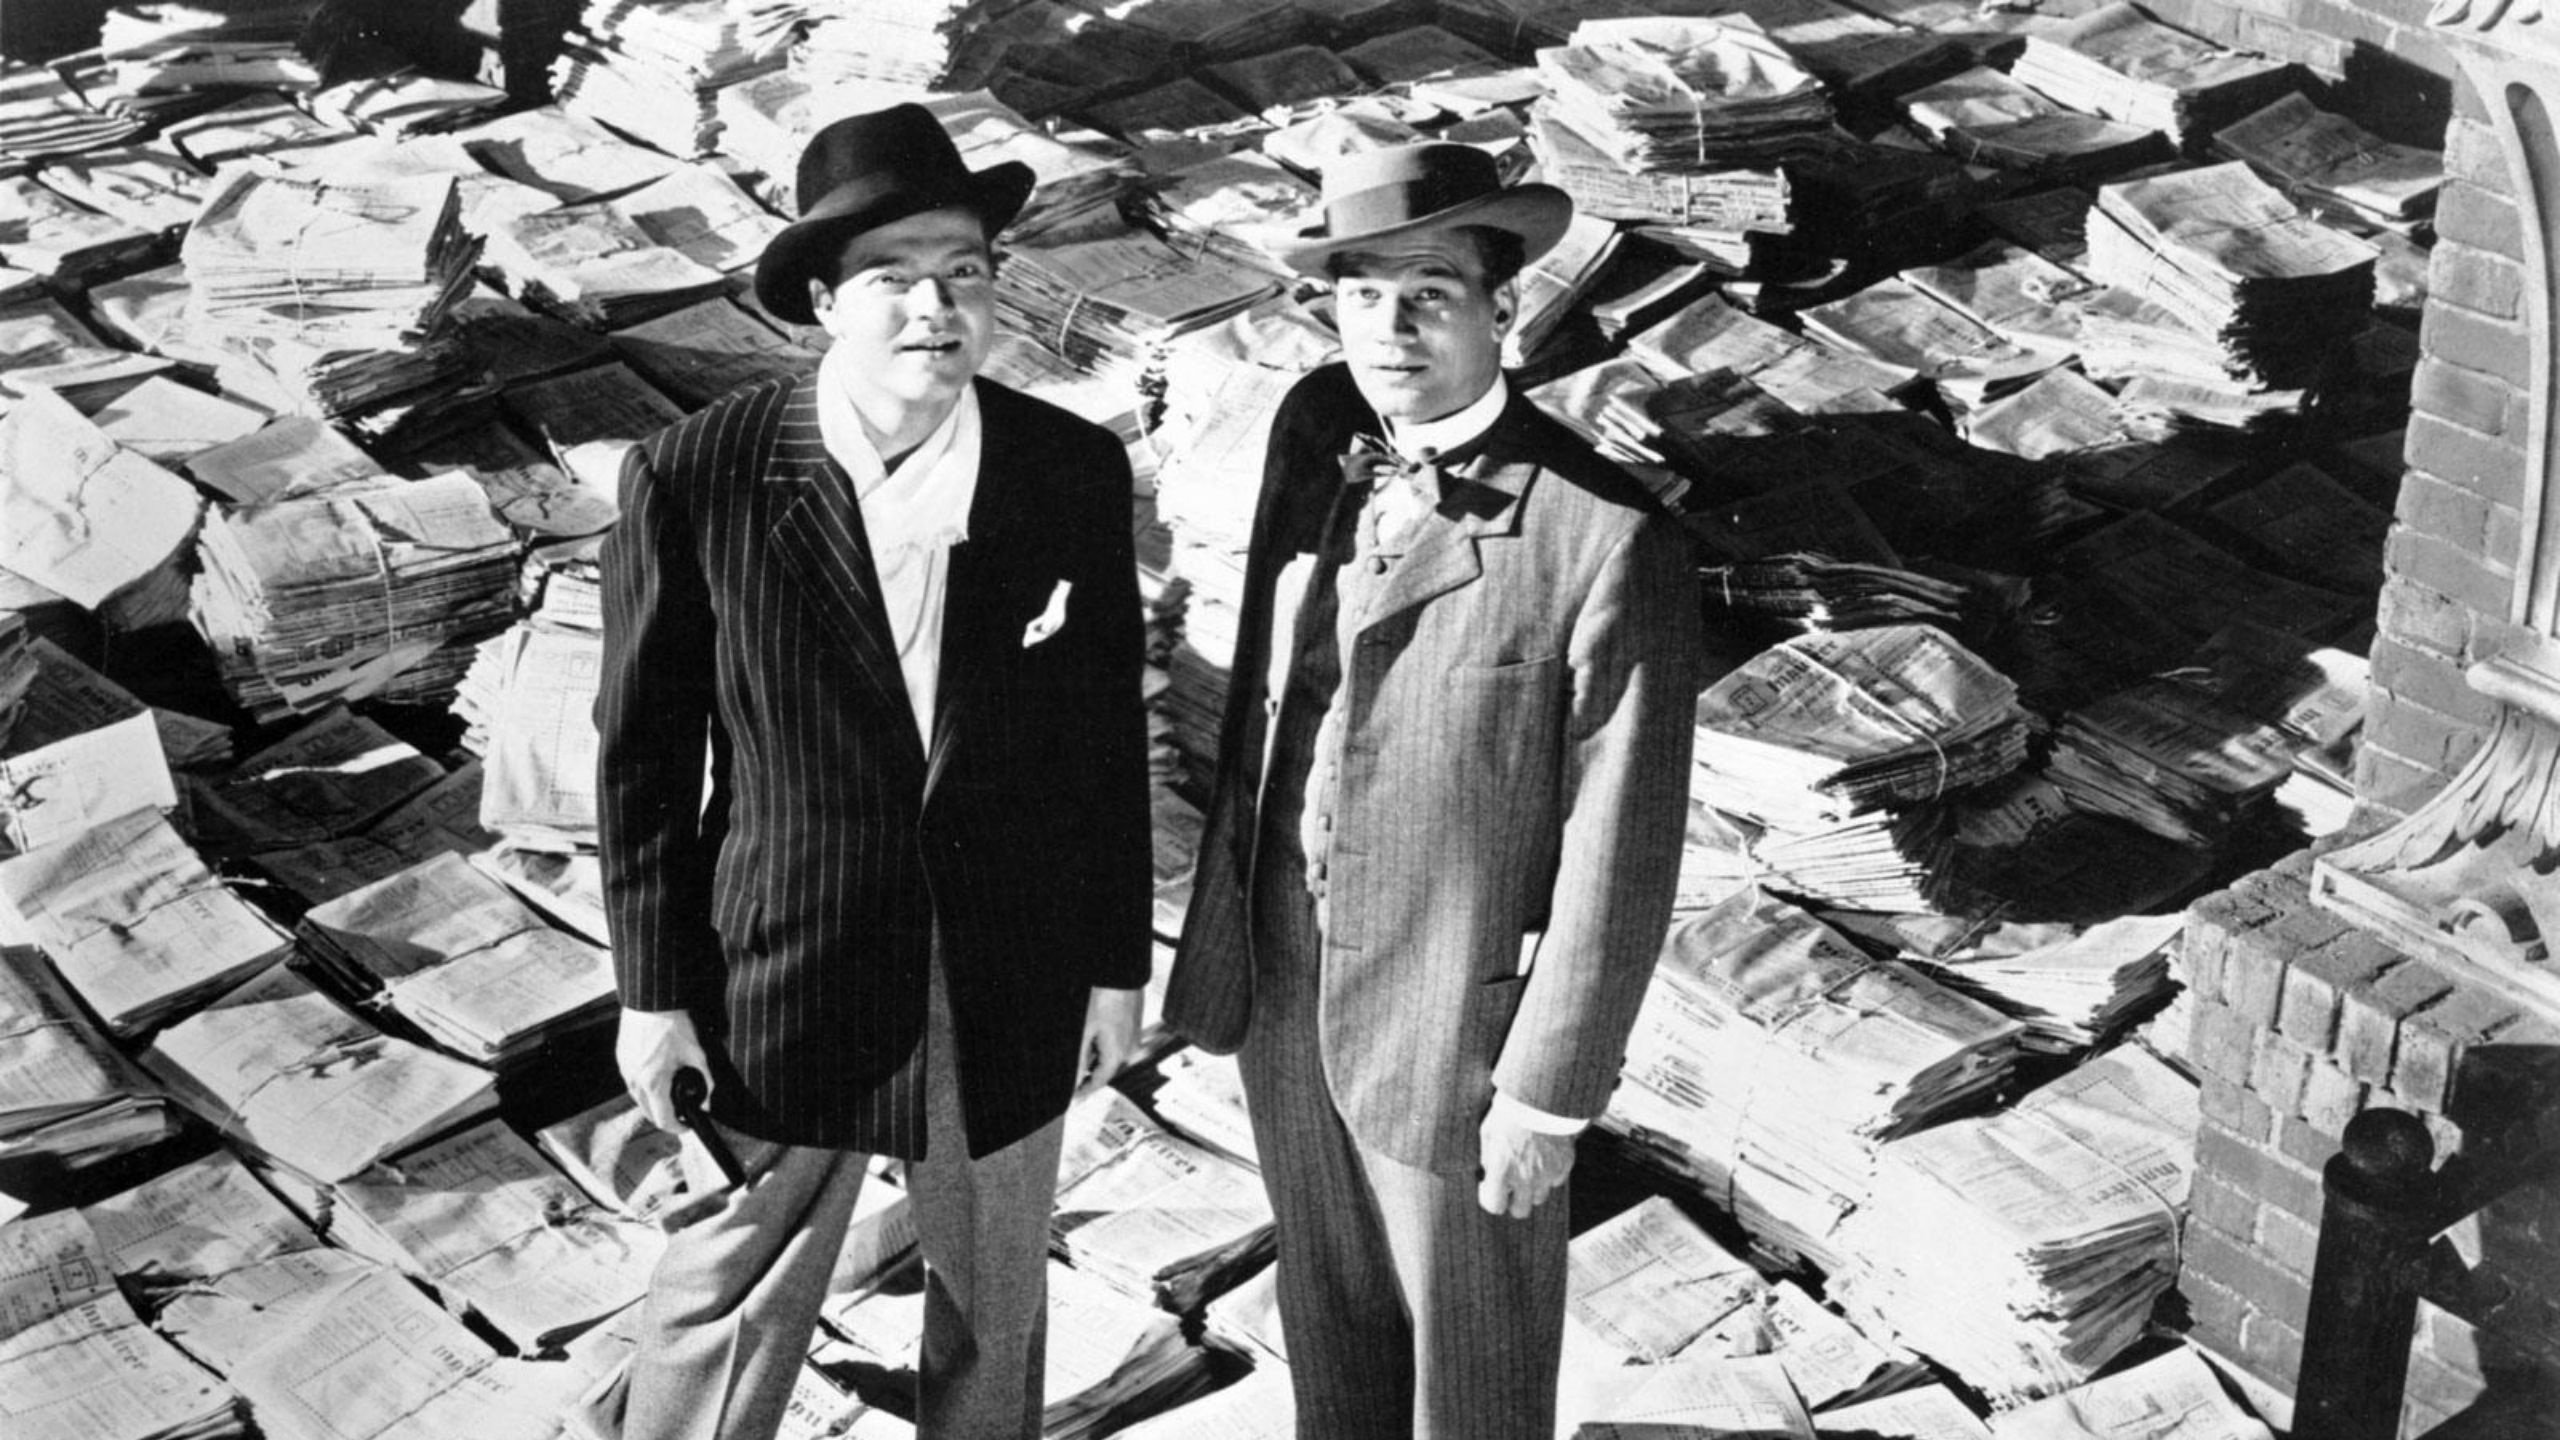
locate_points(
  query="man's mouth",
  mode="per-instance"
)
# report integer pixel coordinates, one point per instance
(937, 345)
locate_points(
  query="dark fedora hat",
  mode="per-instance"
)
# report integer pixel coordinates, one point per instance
(1379, 194)
(864, 171)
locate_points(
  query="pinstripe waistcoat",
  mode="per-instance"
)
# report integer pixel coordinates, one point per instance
(781, 850)
(1517, 707)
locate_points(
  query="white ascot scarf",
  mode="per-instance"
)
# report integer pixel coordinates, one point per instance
(913, 515)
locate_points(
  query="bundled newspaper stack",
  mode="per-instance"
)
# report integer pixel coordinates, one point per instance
(1901, 324)
(79, 755)
(2074, 988)
(2164, 756)
(2118, 62)
(380, 589)
(87, 518)
(2023, 1249)
(1648, 1287)
(1860, 54)
(17, 670)
(2334, 165)
(596, 265)
(653, 71)
(1681, 95)
(2176, 1396)
(49, 234)
(1805, 376)
(455, 953)
(1811, 591)
(308, 1084)
(1554, 286)
(529, 700)
(404, 104)
(1111, 306)
(1156, 1216)
(1988, 117)
(356, 265)
(329, 779)
(1222, 385)
(482, 1218)
(1771, 1057)
(1839, 748)
(135, 921)
(68, 1098)
(81, 1364)
(2234, 259)
(1244, 205)
(41, 115)
(896, 42)
(151, 49)
(1709, 212)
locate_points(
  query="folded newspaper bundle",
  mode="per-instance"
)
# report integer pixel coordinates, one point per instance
(1771, 1057)
(2023, 1249)
(2118, 62)
(458, 955)
(336, 596)
(652, 71)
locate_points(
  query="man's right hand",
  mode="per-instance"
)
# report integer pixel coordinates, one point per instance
(649, 1048)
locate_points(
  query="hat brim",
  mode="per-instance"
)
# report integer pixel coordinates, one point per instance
(1538, 214)
(808, 246)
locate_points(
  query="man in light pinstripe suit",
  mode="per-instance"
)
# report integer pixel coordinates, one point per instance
(1440, 856)
(887, 614)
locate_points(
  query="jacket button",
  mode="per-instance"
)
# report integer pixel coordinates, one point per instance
(1378, 565)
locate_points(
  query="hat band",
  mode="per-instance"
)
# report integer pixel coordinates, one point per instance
(1399, 202)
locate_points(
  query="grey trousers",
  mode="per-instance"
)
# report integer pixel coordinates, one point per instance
(1410, 1313)
(731, 1309)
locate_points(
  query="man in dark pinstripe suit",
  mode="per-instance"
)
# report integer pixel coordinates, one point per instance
(1447, 823)
(873, 794)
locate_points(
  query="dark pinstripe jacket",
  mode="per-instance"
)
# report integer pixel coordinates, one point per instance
(1519, 710)
(791, 905)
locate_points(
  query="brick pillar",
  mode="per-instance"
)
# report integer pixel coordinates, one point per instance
(2300, 1021)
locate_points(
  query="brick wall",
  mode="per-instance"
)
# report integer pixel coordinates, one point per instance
(2301, 1021)
(2453, 544)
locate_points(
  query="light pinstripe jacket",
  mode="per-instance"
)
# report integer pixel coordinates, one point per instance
(793, 913)
(1519, 709)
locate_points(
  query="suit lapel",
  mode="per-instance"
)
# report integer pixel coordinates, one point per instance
(1480, 498)
(819, 534)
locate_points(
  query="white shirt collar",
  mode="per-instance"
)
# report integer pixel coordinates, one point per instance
(1459, 427)
(923, 502)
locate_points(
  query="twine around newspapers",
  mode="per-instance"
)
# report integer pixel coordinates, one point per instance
(1858, 691)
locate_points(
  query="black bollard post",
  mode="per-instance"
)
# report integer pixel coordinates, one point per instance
(2377, 1219)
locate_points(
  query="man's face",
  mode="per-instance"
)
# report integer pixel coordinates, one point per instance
(916, 306)
(1421, 330)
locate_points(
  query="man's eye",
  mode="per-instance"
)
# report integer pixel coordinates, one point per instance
(887, 280)
(967, 270)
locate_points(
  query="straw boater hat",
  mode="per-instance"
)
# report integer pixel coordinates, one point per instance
(865, 171)
(1381, 194)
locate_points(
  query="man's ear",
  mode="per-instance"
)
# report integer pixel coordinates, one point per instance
(821, 295)
(1506, 304)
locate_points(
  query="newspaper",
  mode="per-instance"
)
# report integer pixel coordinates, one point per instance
(2175, 1397)
(444, 816)
(291, 455)
(705, 350)
(457, 954)
(618, 1157)
(2320, 156)
(1649, 1282)
(1153, 1214)
(164, 421)
(77, 1363)
(136, 922)
(490, 1225)
(377, 1361)
(330, 778)
(50, 792)
(1931, 1412)
(65, 1092)
(282, 1068)
(80, 514)
(1748, 1396)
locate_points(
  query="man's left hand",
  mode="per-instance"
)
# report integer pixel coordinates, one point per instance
(1522, 1167)
(1110, 1037)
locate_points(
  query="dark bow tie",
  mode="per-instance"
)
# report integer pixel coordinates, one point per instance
(1372, 461)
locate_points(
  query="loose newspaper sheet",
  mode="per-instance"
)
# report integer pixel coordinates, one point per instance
(80, 514)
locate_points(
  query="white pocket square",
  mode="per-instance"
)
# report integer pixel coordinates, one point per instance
(1046, 623)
